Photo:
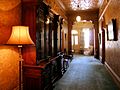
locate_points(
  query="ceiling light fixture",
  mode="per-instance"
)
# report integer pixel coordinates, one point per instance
(78, 18)
(81, 4)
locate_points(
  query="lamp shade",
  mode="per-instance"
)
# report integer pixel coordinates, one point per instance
(20, 36)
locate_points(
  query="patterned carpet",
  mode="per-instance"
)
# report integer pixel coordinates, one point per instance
(86, 73)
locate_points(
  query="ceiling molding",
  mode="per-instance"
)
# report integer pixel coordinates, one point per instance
(104, 10)
(60, 4)
(91, 5)
(54, 11)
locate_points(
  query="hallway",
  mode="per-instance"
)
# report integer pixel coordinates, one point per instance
(86, 73)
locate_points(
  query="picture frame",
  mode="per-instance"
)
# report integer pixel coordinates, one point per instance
(112, 30)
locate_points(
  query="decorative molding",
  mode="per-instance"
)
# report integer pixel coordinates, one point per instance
(61, 4)
(104, 10)
(54, 11)
(56, 7)
(81, 24)
(113, 73)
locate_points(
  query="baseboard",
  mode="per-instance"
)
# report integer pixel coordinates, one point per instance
(100, 59)
(115, 76)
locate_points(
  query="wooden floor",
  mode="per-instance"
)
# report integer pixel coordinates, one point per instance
(86, 73)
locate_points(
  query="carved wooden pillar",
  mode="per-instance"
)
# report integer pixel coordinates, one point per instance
(50, 35)
(96, 41)
(55, 27)
(61, 22)
(69, 35)
(46, 14)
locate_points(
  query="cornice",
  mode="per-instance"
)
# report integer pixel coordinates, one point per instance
(104, 10)
(59, 2)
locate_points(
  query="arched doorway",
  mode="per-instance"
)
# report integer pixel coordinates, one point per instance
(82, 36)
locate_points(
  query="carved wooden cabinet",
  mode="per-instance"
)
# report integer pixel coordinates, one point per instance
(43, 76)
(42, 70)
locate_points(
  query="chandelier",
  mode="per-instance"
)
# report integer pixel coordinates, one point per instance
(82, 4)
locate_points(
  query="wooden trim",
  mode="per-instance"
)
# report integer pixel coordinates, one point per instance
(61, 4)
(54, 58)
(54, 12)
(115, 76)
(104, 10)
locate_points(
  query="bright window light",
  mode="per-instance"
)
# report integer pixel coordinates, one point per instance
(74, 37)
(74, 32)
(72, 40)
(76, 40)
(86, 37)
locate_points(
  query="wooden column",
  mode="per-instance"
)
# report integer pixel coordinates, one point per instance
(50, 36)
(55, 27)
(96, 41)
(61, 22)
(69, 35)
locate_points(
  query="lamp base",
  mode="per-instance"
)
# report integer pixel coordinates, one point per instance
(20, 69)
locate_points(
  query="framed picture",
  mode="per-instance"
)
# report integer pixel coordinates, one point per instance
(112, 30)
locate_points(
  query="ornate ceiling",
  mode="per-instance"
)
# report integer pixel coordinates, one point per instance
(75, 5)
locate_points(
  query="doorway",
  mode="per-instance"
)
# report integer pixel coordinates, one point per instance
(74, 40)
(82, 38)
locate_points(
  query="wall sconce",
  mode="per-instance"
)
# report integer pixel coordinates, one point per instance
(20, 36)
(78, 18)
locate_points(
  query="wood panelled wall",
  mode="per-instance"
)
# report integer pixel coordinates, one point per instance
(112, 48)
(29, 19)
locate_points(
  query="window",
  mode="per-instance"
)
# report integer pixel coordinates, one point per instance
(86, 37)
(74, 37)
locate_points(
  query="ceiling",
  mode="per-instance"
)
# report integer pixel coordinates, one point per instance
(81, 5)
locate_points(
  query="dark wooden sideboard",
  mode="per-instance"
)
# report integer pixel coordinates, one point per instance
(42, 64)
(43, 76)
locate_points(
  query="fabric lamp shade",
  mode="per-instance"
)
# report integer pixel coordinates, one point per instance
(20, 36)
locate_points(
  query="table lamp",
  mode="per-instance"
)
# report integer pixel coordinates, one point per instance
(20, 36)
